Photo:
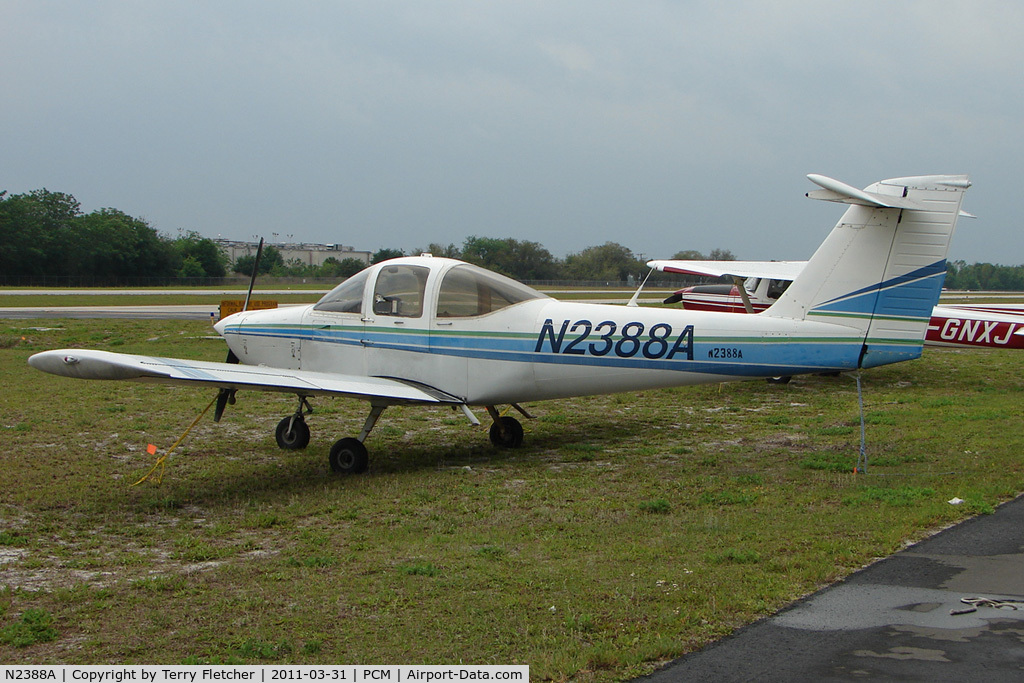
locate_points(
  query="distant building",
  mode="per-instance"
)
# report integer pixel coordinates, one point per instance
(309, 254)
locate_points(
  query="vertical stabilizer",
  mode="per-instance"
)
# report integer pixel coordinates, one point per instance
(880, 270)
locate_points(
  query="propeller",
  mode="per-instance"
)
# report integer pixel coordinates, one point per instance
(226, 396)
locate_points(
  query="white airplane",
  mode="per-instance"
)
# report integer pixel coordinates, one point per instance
(435, 331)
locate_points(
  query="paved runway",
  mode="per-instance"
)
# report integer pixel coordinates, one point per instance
(192, 312)
(233, 293)
(892, 621)
(112, 312)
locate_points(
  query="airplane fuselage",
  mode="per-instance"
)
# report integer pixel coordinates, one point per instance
(536, 349)
(969, 326)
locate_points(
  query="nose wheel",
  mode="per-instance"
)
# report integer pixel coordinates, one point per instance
(292, 432)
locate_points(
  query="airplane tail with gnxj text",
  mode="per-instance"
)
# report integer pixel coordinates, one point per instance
(880, 270)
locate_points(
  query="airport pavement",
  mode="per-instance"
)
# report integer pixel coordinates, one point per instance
(200, 312)
(894, 620)
(234, 293)
(190, 312)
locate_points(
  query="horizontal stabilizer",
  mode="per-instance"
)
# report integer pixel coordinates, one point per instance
(836, 191)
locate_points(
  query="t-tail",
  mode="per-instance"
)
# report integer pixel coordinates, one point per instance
(881, 269)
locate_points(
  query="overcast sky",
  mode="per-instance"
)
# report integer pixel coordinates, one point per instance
(663, 126)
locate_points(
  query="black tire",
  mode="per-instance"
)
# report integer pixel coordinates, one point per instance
(784, 379)
(513, 433)
(349, 456)
(297, 438)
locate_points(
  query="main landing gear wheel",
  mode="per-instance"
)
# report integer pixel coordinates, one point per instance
(506, 432)
(349, 456)
(292, 433)
(782, 379)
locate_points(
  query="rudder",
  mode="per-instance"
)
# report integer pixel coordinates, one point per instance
(880, 270)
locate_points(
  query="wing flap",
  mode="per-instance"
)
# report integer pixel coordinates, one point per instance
(93, 364)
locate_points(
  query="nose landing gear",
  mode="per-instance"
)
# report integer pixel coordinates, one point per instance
(292, 432)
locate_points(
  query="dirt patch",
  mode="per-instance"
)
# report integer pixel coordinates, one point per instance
(56, 576)
(11, 554)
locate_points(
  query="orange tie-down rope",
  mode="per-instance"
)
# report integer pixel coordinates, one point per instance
(160, 461)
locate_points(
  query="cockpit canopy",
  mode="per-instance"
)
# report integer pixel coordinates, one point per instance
(465, 291)
(346, 297)
(773, 290)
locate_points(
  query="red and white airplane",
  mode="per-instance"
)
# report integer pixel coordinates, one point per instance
(759, 284)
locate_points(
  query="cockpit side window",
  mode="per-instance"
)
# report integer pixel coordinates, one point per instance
(468, 291)
(777, 287)
(346, 297)
(399, 291)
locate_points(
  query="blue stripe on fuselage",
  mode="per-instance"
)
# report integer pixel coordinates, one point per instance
(755, 357)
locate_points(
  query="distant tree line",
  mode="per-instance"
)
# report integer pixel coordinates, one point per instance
(530, 261)
(984, 276)
(272, 263)
(45, 235)
(522, 260)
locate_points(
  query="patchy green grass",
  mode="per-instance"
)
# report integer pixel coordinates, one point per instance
(34, 626)
(628, 530)
(659, 506)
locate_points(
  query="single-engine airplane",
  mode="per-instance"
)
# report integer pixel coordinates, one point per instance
(436, 331)
(758, 285)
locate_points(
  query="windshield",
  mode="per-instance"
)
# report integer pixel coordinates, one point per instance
(346, 297)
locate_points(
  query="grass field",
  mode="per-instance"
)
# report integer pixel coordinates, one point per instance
(628, 530)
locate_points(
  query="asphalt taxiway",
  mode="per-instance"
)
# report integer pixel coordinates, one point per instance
(189, 312)
(902, 618)
(112, 312)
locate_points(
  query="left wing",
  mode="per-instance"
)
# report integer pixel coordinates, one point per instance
(90, 364)
(776, 270)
